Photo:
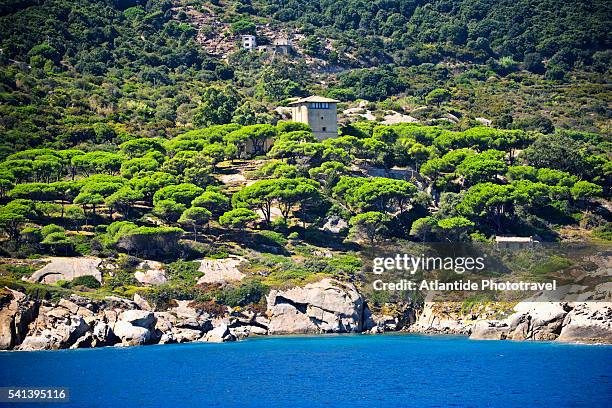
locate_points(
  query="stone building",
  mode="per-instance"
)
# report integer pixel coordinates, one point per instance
(320, 113)
(278, 46)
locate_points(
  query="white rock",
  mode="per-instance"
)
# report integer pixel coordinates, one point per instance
(219, 334)
(67, 268)
(131, 335)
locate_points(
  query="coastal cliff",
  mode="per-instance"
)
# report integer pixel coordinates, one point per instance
(326, 306)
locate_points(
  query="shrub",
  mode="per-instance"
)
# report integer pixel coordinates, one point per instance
(245, 294)
(267, 237)
(184, 272)
(86, 280)
(238, 218)
(604, 232)
(51, 229)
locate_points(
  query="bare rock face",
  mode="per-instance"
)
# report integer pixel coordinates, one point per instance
(54, 328)
(531, 321)
(335, 224)
(103, 335)
(442, 317)
(589, 323)
(67, 268)
(537, 320)
(221, 270)
(142, 302)
(246, 323)
(327, 306)
(489, 330)
(182, 324)
(138, 318)
(15, 316)
(33, 343)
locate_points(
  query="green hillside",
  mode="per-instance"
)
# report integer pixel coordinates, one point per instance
(147, 68)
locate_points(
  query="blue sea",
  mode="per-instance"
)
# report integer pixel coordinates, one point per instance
(323, 371)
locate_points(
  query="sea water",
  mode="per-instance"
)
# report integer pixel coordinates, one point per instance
(323, 371)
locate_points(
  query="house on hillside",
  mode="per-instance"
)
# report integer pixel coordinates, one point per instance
(320, 113)
(279, 45)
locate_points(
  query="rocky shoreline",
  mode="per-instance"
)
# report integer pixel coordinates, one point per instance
(327, 306)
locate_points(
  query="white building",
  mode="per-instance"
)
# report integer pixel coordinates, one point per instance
(513, 242)
(249, 42)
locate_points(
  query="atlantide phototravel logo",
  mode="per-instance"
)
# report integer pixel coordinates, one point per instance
(460, 271)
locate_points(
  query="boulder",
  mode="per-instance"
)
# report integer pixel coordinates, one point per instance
(138, 318)
(167, 338)
(489, 330)
(327, 306)
(67, 268)
(134, 327)
(588, 323)
(442, 318)
(335, 224)
(141, 302)
(84, 341)
(537, 320)
(182, 335)
(59, 332)
(131, 335)
(103, 335)
(219, 333)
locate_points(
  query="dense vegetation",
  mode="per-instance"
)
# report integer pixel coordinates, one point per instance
(119, 132)
(89, 71)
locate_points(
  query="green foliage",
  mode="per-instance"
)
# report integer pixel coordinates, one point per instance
(438, 96)
(237, 218)
(194, 217)
(86, 280)
(604, 232)
(285, 192)
(81, 99)
(370, 224)
(379, 193)
(250, 292)
(243, 26)
(180, 193)
(183, 272)
(271, 237)
(213, 201)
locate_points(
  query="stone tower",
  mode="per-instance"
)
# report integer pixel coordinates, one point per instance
(319, 113)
